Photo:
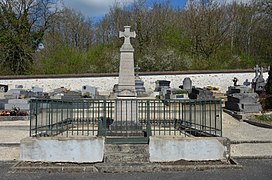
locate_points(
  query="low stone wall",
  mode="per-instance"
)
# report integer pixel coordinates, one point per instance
(92, 149)
(166, 149)
(106, 82)
(60, 149)
(14, 118)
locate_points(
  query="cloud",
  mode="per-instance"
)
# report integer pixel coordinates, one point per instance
(94, 8)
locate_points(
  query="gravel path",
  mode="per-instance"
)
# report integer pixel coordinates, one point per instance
(242, 131)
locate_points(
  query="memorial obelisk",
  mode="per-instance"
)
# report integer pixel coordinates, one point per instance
(126, 104)
(126, 84)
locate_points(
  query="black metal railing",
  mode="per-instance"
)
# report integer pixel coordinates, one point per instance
(125, 118)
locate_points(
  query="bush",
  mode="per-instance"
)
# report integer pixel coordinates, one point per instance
(268, 86)
(266, 101)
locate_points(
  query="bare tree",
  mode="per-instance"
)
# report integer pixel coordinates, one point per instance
(23, 24)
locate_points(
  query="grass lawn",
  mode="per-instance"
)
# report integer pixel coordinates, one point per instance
(266, 117)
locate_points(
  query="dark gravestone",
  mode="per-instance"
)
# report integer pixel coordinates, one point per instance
(139, 86)
(139, 83)
(162, 84)
(239, 89)
(242, 99)
(258, 83)
(3, 88)
(246, 83)
(2, 103)
(201, 94)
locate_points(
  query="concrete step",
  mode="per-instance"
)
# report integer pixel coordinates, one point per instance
(126, 133)
(126, 153)
(126, 148)
(126, 128)
(126, 158)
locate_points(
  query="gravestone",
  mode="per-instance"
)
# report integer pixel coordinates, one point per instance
(21, 104)
(36, 92)
(63, 93)
(163, 87)
(257, 69)
(242, 99)
(15, 93)
(246, 83)
(89, 91)
(139, 83)
(3, 88)
(19, 86)
(162, 84)
(187, 84)
(36, 89)
(2, 103)
(258, 82)
(201, 94)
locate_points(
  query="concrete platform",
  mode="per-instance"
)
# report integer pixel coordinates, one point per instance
(246, 140)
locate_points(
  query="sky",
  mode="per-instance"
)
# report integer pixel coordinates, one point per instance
(98, 8)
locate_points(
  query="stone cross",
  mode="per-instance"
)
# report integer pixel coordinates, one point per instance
(126, 84)
(127, 35)
(261, 72)
(257, 69)
(137, 68)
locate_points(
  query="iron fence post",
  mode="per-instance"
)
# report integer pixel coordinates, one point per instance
(30, 116)
(36, 118)
(148, 126)
(220, 116)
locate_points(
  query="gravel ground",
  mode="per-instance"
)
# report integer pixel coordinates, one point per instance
(242, 131)
(9, 153)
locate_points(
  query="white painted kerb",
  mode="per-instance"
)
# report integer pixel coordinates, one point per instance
(46, 149)
(165, 149)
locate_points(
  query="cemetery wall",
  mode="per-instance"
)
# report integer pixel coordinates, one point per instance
(105, 82)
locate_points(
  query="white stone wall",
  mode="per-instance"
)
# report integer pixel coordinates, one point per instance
(105, 84)
(60, 149)
(165, 149)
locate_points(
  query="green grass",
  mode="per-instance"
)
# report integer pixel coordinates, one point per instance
(265, 117)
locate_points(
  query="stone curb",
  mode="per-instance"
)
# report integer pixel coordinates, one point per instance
(15, 128)
(253, 157)
(123, 168)
(250, 142)
(12, 144)
(258, 124)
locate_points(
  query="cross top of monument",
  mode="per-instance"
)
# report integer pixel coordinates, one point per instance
(257, 69)
(127, 35)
